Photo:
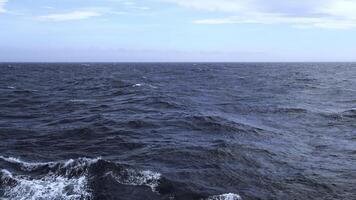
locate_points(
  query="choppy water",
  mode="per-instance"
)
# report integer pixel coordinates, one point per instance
(178, 131)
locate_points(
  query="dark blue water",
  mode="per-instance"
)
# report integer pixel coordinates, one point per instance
(178, 131)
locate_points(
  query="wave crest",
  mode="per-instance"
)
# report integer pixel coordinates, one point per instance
(52, 186)
(65, 180)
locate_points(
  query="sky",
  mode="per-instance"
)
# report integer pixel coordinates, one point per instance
(177, 30)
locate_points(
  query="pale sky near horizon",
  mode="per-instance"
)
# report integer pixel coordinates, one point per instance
(177, 30)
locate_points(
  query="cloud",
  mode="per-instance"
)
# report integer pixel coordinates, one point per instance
(2, 5)
(333, 14)
(90, 12)
(340, 8)
(295, 21)
(210, 5)
(75, 15)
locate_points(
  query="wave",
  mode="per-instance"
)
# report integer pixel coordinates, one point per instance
(66, 180)
(219, 123)
(77, 179)
(26, 166)
(342, 116)
(51, 180)
(48, 187)
(138, 178)
(351, 113)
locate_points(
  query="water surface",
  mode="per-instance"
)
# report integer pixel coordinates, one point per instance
(178, 131)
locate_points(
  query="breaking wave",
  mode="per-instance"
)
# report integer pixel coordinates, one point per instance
(65, 180)
(48, 187)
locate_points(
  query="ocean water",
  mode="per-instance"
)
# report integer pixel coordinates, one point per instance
(281, 131)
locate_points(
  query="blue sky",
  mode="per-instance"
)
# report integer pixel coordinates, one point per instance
(177, 30)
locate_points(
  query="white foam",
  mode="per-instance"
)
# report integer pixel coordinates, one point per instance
(26, 166)
(59, 182)
(6, 174)
(53, 185)
(81, 162)
(48, 187)
(228, 196)
(139, 178)
(138, 85)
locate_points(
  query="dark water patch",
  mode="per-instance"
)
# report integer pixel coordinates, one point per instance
(141, 124)
(349, 113)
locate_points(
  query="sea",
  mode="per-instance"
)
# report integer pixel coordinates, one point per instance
(178, 131)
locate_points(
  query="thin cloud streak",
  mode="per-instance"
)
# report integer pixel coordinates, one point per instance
(75, 15)
(127, 7)
(2, 6)
(269, 19)
(331, 14)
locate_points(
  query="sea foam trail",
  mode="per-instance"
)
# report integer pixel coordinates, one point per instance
(64, 180)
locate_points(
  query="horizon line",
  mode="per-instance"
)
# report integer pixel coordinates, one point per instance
(143, 62)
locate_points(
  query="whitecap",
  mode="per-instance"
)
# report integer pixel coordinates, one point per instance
(137, 85)
(67, 180)
(228, 196)
(138, 178)
(81, 162)
(57, 183)
(26, 166)
(29, 166)
(48, 187)
(144, 84)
